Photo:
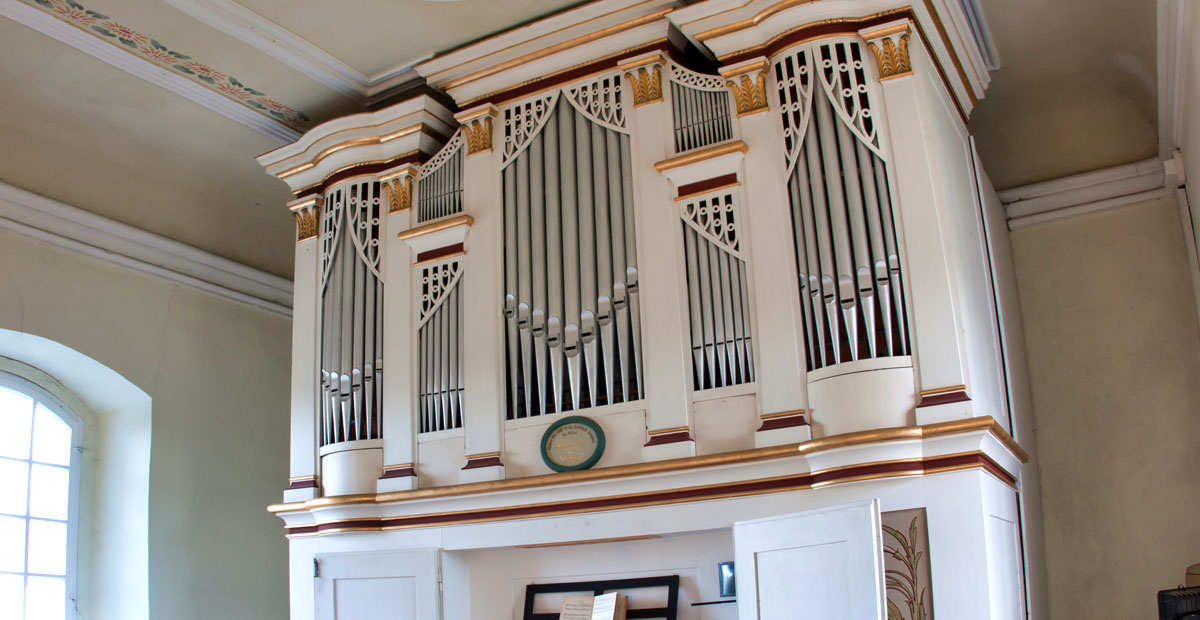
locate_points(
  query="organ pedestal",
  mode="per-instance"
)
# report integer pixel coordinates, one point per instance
(727, 233)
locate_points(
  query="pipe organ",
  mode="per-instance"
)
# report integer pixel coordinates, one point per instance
(731, 237)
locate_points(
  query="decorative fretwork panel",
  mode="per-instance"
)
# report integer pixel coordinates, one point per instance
(718, 303)
(852, 290)
(699, 108)
(440, 347)
(439, 186)
(571, 304)
(351, 314)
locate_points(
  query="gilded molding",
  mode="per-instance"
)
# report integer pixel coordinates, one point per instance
(646, 81)
(711, 152)
(308, 218)
(399, 192)
(889, 44)
(749, 86)
(858, 438)
(450, 222)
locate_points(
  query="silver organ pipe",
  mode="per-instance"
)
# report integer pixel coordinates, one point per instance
(718, 304)
(847, 261)
(351, 314)
(699, 108)
(439, 186)
(439, 347)
(570, 305)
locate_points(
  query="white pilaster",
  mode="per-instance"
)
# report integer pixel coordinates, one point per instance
(779, 326)
(305, 328)
(935, 319)
(483, 277)
(399, 336)
(662, 278)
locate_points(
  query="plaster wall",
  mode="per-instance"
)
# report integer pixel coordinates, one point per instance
(217, 376)
(1190, 102)
(1114, 359)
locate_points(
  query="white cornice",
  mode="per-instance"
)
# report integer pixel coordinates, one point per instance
(297, 52)
(43, 219)
(1172, 49)
(134, 65)
(1090, 192)
(249, 27)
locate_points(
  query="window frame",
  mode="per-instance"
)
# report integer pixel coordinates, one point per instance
(46, 398)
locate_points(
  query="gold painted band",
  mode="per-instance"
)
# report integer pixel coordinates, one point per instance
(901, 433)
(711, 152)
(450, 222)
(663, 431)
(943, 390)
(781, 414)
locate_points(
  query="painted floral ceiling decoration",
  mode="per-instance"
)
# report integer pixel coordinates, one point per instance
(149, 48)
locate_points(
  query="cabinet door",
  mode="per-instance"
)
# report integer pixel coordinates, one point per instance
(821, 565)
(403, 585)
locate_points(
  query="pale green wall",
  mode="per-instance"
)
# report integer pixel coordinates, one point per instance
(218, 374)
(1114, 360)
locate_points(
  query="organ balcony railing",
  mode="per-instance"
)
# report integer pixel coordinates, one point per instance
(700, 261)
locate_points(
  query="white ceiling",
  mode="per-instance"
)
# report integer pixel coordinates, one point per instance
(1076, 91)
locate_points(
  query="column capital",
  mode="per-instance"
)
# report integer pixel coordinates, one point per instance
(645, 77)
(477, 127)
(398, 183)
(889, 44)
(307, 212)
(748, 81)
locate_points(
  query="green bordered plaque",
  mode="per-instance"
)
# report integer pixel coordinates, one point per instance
(572, 443)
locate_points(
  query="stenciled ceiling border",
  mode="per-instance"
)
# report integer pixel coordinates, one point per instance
(149, 48)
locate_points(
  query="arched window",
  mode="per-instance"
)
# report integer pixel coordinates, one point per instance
(39, 490)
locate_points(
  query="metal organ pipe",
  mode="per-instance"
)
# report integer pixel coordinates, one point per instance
(570, 276)
(841, 207)
(351, 314)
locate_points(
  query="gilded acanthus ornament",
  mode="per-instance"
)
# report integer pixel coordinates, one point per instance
(478, 132)
(750, 93)
(308, 218)
(646, 82)
(399, 192)
(890, 47)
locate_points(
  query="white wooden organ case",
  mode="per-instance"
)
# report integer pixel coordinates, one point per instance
(749, 239)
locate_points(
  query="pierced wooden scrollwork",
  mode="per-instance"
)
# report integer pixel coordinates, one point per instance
(699, 109)
(692, 79)
(523, 121)
(600, 101)
(437, 280)
(364, 214)
(713, 217)
(794, 82)
(439, 186)
(844, 80)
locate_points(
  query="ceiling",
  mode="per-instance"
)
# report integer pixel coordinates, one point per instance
(1076, 91)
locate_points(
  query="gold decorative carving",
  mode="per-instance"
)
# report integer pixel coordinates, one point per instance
(890, 47)
(308, 219)
(477, 128)
(749, 85)
(904, 580)
(399, 191)
(647, 84)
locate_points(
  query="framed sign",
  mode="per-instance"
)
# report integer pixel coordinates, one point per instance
(572, 443)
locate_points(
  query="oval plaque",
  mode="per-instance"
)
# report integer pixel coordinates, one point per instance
(572, 443)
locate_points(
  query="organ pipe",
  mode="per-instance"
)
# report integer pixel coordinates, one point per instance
(847, 262)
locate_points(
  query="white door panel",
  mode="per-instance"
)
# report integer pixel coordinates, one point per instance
(820, 565)
(400, 585)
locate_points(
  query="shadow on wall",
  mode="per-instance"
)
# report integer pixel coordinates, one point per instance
(113, 570)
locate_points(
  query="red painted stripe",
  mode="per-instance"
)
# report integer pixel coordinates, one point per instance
(665, 438)
(440, 252)
(487, 461)
(784, 422)
(957, 396)
(302, 484)
(703, 186)
(403, 472)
